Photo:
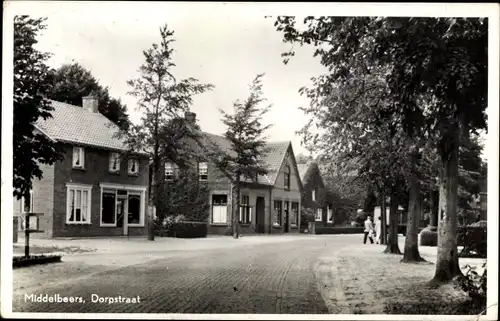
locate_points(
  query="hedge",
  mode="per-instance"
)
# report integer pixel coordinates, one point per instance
(23, 261)
(339, 230)
(184, 230)
(473, 239)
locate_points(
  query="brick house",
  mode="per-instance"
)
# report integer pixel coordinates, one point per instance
(270, 204)
(98, 189)
(315, 194)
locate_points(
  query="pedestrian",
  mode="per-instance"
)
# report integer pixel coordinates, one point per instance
(368, 230)
(378, 230)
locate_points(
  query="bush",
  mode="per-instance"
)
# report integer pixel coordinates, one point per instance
(176, 227)
(428, 237)
(433, 307)
(473, 240)
(474, 283)
(339, 230)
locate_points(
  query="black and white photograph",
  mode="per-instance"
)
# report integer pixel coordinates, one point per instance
(250, 160)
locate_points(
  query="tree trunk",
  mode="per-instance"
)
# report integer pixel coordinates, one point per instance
(392, 244)
(447, 257)
(383, 222)
(434, 203)
(411, 253)
(236, 209)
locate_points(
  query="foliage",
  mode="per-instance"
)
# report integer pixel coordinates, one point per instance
(183, 229)
(31, 84)
(245, 132)
(306, 215)
(184, 197)
(428, 238)
(432, 306)
(71, 82)
(473, 239)
(474, 283)
(161, 98)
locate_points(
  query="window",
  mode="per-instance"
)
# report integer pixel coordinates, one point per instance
(78, 204)
(245, 210)
(117, 200)
(219, 209)
(287, 176)
(108, 214)
(133, 166)
(295, 213)
(319, 214)
(277, 213)
(134, 208)
(169, 171)
(114, 162)
(314, 195)
(78, 157)
(329, 217)
(203, 171)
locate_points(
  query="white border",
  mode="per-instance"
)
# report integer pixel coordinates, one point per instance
(335, 9)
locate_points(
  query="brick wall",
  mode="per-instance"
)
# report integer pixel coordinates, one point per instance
(96, 171)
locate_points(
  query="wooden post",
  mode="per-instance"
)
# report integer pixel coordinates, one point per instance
(27, 235)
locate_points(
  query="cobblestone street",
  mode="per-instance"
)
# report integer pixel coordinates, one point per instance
(254, 277)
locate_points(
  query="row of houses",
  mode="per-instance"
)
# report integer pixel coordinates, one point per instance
(101, 189)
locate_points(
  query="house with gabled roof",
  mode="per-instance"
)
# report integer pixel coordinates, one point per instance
(99, 188)
(314, 194)
(269, 204)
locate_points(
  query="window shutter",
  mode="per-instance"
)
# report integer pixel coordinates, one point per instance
(250, 214)
(241, 213)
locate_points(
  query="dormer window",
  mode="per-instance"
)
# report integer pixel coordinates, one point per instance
(78, 157)
(203, 171)
(114, 162)
(314, 195)
(133, 166)
(169, 171)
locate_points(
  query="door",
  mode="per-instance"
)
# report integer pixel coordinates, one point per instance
(287, 217)
(121, 209)
(260, 209)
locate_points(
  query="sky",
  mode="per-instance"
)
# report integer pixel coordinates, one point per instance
(226, 49)
(226, 45)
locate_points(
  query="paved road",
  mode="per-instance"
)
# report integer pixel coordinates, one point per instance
(255, 278)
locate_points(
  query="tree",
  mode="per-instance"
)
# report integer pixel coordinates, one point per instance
(71, 82)
(440, 61)
(244, 161)
(31, 85)
(161, 98)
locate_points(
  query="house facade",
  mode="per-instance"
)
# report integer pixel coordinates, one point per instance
(98, 189)
(314, 194)
(269, 204)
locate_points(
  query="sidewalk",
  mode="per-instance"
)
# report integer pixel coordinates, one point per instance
(361, 279)
(140, 244)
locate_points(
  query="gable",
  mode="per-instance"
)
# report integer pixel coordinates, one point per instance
(295, 181)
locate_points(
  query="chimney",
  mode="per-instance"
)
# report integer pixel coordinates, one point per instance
(190, 117)
(90, 103)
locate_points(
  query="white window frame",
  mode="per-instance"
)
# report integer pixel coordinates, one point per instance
(203, 170)
(112, 157)
(169, 171)
(81, 152)
(319, 215)
(278, 213)
(314, 195)
(212, 218)
(135, 189)
(142, 195)
(81, 187)
(130, 162)
(242, 207)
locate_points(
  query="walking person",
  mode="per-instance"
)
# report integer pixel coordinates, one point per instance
(368, 230)
(378, 230)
